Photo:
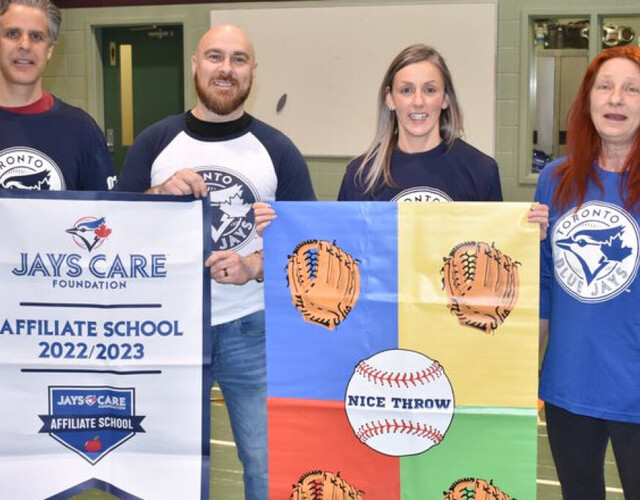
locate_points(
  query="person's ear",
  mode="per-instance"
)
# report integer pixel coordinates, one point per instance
(389, 100)
(194, 63)
(445, 102)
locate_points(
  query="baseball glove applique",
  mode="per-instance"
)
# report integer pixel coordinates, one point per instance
(324, 281)
(471, 488)
(481, 284)
(324, 485)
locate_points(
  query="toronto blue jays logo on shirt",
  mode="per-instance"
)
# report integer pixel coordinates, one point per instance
(421, 193)
(231, 197)
(595, 251)
(30, 169)
(91, 421)
(89, 232)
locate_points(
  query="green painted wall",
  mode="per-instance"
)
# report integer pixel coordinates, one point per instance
(71, 73)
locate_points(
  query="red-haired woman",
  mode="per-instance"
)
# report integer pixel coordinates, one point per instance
(590, 293)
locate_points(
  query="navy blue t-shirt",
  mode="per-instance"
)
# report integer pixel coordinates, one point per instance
(458, 173)
(62, 148)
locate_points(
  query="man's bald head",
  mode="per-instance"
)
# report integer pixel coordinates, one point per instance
(230, 34)
(223, 68)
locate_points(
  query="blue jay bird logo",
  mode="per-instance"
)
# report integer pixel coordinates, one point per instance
(231, 196)
(596, 248)
(29, 169)
(89, 232)
(231, 207)
(595, 251)
(38, 181)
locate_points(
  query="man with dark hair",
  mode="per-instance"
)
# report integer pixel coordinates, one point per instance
(45, 143)
(218, 150)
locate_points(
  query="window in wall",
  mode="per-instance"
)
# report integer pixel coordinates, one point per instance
(618, 30)
(557, 48)
(560, 58)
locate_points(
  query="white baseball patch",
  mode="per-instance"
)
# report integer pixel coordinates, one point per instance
(399, 402)
(422, 193)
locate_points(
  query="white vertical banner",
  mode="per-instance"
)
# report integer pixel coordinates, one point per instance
(104, 348)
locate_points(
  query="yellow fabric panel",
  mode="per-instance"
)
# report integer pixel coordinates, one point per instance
(496, 369)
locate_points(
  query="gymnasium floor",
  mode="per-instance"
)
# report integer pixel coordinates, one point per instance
(226, 472)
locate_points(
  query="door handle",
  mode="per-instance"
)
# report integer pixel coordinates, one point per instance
(110, 143)
(562, 137)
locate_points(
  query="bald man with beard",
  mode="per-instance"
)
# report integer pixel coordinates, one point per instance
(218, 150)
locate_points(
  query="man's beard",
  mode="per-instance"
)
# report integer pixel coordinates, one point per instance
(221, 104)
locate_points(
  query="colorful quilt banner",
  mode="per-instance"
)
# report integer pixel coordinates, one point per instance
(402, 350)
(104, 323)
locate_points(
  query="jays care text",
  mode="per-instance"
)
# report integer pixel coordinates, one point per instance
(69, 270)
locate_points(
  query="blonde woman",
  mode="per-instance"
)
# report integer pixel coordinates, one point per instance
(417, 153)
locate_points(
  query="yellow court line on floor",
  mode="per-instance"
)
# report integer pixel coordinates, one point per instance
(556, 483)
(222, 443)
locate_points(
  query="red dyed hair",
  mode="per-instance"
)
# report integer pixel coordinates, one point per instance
(584, 145)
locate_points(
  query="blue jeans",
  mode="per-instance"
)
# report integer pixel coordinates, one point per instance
(239, 365)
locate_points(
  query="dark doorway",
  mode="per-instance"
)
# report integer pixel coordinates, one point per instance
(143, 81)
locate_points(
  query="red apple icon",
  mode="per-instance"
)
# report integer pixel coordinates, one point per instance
(93, 445)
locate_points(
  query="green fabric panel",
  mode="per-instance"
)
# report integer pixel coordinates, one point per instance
(480, 443)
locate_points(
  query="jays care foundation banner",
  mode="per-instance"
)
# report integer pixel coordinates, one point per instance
(402, 350)
(103, 323)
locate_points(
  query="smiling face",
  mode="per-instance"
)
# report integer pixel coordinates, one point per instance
(223, 68)
(615, 102)
(418, 97)
(24, 50)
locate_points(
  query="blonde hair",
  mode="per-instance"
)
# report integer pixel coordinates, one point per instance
(386, 137)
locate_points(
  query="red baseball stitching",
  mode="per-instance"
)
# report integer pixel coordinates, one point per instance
(395, 379)
(372, 429)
